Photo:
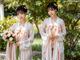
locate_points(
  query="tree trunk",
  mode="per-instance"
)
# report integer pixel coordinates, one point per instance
(36, 26)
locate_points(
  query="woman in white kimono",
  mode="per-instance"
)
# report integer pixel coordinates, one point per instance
(24, 34)
(52, 31)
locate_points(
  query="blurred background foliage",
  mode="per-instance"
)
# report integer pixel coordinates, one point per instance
(69, 11)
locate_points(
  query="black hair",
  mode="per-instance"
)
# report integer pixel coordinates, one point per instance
(52, 5)
(21, 9)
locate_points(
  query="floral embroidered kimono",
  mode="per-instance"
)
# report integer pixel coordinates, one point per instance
(25, 38)
(52, 51)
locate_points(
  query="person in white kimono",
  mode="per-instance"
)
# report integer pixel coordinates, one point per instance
(52, 31)
(24, 34)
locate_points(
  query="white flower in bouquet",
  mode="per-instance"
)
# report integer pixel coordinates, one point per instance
(11, 39)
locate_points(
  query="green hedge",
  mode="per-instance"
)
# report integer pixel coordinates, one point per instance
(5, 24)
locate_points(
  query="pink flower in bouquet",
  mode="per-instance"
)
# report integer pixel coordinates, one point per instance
(4, 35)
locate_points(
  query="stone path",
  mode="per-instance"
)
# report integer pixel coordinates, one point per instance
(3, 54)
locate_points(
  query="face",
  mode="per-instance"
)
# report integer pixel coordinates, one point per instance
(21, 17)
(51, 12)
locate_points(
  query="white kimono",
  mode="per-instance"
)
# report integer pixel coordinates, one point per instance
(58, 48)
(25, 39)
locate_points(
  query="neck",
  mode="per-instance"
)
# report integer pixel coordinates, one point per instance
(22, 22)
(54, 17)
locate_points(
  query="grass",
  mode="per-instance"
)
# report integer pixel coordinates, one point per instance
(37, 47)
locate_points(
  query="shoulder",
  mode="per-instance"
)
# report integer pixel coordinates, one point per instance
(61, 21)
(46, 20)
(14, 25)
(29, 25)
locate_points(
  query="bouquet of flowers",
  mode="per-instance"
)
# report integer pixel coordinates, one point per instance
(9, 36)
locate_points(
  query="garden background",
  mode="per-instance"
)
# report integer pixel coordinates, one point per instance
(69, 11)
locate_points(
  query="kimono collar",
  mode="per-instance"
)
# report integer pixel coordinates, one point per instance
(21, 24)
(53, 20)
